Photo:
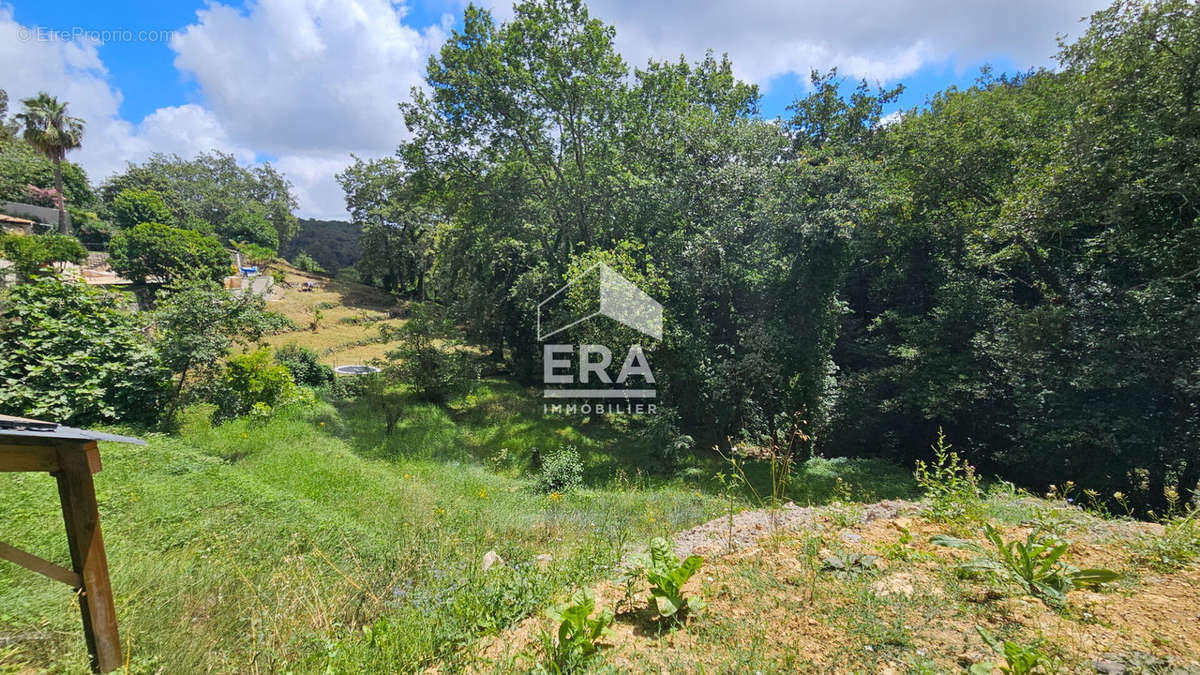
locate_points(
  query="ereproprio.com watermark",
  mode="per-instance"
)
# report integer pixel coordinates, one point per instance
(105, 35)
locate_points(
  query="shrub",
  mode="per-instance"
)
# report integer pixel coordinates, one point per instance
(30, 254)
(950, 484)
(562, 471)
(1178, 546)
(90, 228)
(68, 353)
(132, 207)
(307, 263)
(254, 254)
(304, 364)
(168, 253)
(667, 442)
(197, 323)
(252, 380)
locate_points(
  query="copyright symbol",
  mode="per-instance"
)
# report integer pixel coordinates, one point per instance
(24, 34)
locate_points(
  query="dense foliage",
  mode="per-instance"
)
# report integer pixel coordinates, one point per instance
(1015, 262)
(252, 383)
(133, 207)
(248, 226)
(196, 324)
(73, 354)
(21, 166)
(165, 253)
(427, 358)
(304, 364)
(30, 255)
(203, 192)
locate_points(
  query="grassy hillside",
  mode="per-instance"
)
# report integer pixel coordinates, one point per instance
(313, 541)
(351, 316)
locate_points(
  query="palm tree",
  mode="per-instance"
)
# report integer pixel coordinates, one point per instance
(53, 132)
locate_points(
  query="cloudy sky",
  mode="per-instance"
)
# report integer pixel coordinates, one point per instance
(305, 83)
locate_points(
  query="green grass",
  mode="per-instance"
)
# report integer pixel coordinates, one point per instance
(315, 542)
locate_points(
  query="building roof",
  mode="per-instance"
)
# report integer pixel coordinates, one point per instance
(30, 428)
(5, 218)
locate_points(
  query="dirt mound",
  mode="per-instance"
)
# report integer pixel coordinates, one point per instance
(776, 605)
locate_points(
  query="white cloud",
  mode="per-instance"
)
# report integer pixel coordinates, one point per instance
(72, 71)
(308, 82)
(314, 75)
(876, 39)
(317, 191)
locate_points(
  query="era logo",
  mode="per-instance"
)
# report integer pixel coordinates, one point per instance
(556, 358)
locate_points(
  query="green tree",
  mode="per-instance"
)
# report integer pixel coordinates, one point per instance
(165, 253)
(132, 207)
(197, 323)
(211, 187)
(396, 245)
(22, 166)
(50, 130)
(247, 226)
(31, 254)
(73, 354)
(428, 358)
(8, 130)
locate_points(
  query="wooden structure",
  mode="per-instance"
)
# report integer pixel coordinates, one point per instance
(71, 456)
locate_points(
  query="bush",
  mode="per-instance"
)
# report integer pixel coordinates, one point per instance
(252, 382)
(305, 263)
(950, 484)
(90, 228)
(667, 442)
(133, 207)
(562, 471)
(70, 354)
(31, 253)
(168, 253)
(304, 364)
(250, 227)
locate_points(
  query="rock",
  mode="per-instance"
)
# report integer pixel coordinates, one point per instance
(896, 584)
(850, 537)
(543, 560)
(1108, 667)
(967, 660)
(491, 558)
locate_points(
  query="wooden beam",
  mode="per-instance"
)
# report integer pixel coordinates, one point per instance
(35, 564)
(82, 518)
(28, 457)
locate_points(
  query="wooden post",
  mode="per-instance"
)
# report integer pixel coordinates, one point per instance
(82, 519)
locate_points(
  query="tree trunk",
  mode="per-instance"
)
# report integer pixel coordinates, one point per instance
(63, 227)
(1189, 483)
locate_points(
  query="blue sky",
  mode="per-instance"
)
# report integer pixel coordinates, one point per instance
(305, 83)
